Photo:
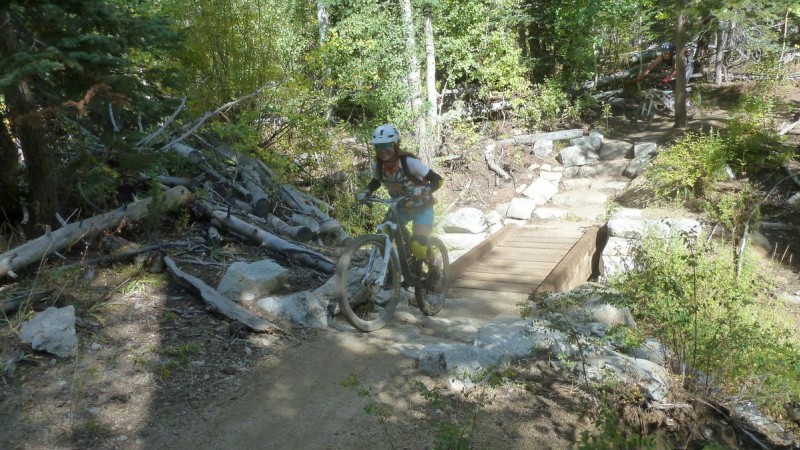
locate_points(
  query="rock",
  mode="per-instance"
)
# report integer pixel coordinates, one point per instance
(748, 413)
(594, 142)
(521, 208)
(543, 148)
(577, 155)
(52, 331)
(617, 256)
(540, 191)
(550, 213)
(578, 198)
(613, 149)
(246, 282)
(303, 308)
(461, 241)
(521, 339)
(644, 150)
(605, 169)
(460, 362)
(465, 220)
(651, 350)
(636, 167)
(653, 379)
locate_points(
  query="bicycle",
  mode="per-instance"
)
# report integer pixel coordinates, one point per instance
(373, 267)
(661, 101)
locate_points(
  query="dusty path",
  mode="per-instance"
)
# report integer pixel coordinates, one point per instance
(299, 400)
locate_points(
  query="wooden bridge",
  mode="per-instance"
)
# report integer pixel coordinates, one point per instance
(516, 262)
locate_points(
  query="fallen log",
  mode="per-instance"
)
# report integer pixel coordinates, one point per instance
(299, 233)
(262, 205)
(488, 154)
(14, 303)
(218, 302)
(56, 241)
(268, 240)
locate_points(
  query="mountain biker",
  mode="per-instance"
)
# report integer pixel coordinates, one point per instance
(403, 175)
(666, 61)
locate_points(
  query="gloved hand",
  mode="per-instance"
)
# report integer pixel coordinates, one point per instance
(361, 196)
(421, 191)
(639, 78)
(666, 80)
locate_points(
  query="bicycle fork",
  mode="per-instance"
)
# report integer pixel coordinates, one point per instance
(375, 277)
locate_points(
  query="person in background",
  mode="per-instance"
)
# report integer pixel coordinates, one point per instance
(404, 175)
(666, 62)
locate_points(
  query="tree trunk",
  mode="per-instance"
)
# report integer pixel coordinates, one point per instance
(680, 60)
(430, 82)
(413, 81)
(323, 23)
(719, 57)
(29, 129)
(10, 210)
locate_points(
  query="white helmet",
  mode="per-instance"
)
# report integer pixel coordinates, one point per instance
(385, 134)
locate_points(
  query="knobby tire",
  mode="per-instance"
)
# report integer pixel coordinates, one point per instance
(365, 306)
(431, 294)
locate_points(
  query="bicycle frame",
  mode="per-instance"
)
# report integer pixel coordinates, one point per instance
(397, 234)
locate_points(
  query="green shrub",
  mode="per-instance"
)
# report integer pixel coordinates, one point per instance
(754, 147)
(547, 105)
(689, 167)
(732, 209)
(719, 326)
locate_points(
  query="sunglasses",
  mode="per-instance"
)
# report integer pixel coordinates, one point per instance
(387, 147)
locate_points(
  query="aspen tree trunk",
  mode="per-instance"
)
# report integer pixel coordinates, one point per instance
(323, 23)
(430, 83)
(413, 80)
(680, 59)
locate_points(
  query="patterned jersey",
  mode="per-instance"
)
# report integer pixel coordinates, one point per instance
(398, 184)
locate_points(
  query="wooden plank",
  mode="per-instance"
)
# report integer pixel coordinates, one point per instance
(504, 277)
(480, 250)
(531, 256)
(576, 267)
(554, 252)
(510, 270)
(494, 285)
(543, 239)
(490, 264)
(562, 245)
(565, 232)
(487, 295)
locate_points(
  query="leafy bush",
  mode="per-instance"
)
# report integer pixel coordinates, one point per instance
(719, 326)
(732, 209)
(547, 105)
(690, 166)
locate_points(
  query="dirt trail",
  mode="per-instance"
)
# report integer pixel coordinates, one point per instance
(299, 400)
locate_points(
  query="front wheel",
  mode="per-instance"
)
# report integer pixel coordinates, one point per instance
(367, 301)
(644, 114)
(430, 290)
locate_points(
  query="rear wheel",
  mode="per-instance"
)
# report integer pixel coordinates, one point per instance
(365, 301)
(431, 289)
(644, 114)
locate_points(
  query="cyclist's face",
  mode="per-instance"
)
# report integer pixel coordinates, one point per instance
(385, 151)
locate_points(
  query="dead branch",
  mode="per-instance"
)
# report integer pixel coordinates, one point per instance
(488, 154)
(268, 240)
(56, 241)
(218, 302)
